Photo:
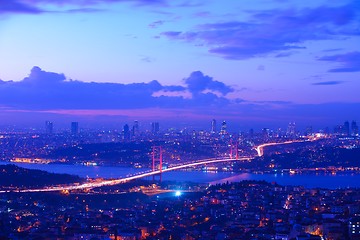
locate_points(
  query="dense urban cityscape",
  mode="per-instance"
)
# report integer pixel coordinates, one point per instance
(37, 204)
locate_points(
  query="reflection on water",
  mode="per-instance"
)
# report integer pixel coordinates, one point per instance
(307, 180)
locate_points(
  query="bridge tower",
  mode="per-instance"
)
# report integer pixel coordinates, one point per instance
(234, 150)
(157, 157)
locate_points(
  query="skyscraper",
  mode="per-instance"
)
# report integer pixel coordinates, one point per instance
(136, 128)
(251, 133)
(266, 133)
(223, 128)
(309, 130)
(354, 128)
(213, 126)
(74, 128)
(155, 127)
(291, 130)
(346, 129)
(49, 127)
(126, 132)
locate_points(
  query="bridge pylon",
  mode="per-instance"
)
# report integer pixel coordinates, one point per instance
(234, 150)
(157, 157)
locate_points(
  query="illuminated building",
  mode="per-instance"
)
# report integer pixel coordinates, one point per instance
(213, 126)
(291, 130)
(155, 127)
(354, 128)
(266, 133)
(126, 132)
(354, 228)
(74, 128)
(136, 128)
(49, 127)
(223, 128)
(346, 129)
(309, 130)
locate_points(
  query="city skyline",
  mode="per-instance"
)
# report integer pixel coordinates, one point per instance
(257, 64)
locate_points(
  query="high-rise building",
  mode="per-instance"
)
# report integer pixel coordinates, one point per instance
(354, 128)
(135, 128)
(49, 127)
(74, 128)
(213, 126)
(126, 132)
(155, 127)
(223, 128)
(346, 128)
(339, 129)
(265, 133)
(354, 228)
(309, 130)
(251, 133)
(291, 130)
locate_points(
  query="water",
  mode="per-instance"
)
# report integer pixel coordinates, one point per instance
(341, 180)
(81, 170)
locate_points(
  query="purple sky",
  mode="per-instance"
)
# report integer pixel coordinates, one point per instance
(254, 63)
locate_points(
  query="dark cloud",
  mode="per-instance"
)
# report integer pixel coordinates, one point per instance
(203, 14)
(84, 10)
(147, 59)
(37, 6)
(94, 2)
(332, 49)
(284, 54)
(273, 31)
(156, 24)
(17, 6)
(261, 68)
(191, 4)
(46, 94)
(172, 34)
(327, 83)
(198, 82)
(173, 88)
(43, 90)
(350, 62)
(40, 77)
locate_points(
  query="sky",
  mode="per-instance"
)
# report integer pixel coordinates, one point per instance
(253, 63)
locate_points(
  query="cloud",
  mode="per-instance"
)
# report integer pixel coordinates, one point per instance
(350, 62)
(84, 10)
(37, 6)
(327, 83)
(332, 49)
(191, 4)
(284, 54)
(197, 82)
(156, 24)
(261, 68)
(202, 14)
(147, 59)
(272, 31)
(40, 77)
(94, 2)
(17, 6)
(48, 95)
(43, 90)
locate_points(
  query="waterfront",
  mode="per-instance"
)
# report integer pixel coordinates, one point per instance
(309, 180)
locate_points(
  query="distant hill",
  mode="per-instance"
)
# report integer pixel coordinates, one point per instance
(12, 176)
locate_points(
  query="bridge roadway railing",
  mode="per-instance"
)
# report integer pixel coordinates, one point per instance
(109, 182)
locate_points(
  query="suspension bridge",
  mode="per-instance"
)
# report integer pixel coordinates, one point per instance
(157, 169)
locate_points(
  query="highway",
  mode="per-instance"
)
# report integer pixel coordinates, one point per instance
(260, 149)
(126, 179)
